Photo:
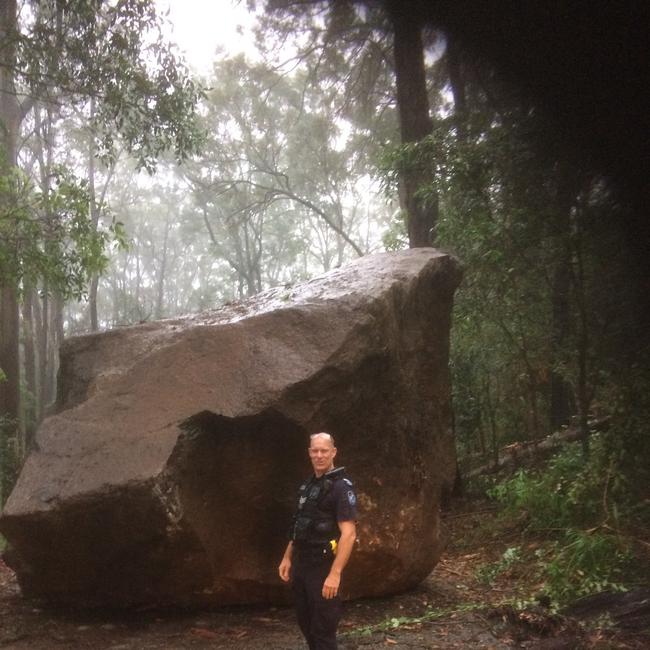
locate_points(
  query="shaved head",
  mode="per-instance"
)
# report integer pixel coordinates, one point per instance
(323, 436)
(322, 452)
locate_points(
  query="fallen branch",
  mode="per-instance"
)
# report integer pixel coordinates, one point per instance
(519, 453)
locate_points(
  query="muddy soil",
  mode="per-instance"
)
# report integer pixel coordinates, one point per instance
(25, 624)
(451, 609)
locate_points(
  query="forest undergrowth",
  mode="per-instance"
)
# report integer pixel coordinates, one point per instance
(557, 549)
(567, 528)
(522, 548)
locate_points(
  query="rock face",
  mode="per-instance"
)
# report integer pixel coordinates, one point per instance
(169, 472)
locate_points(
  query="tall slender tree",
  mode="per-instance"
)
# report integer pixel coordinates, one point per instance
(415, 122)
(69, 52)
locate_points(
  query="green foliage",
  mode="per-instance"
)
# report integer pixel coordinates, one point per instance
(115, 52)
(10, 457)
(574, 490)
(546, 498)
(584, 507)
(395, 238)
(505, 234)
(536, 310)
(584, 563)
(625, 449)
(488, 572)
(396, 622)
(397, 160)
(49, 237)
(279, 187)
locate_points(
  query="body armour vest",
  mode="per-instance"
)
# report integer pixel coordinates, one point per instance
(312, 524)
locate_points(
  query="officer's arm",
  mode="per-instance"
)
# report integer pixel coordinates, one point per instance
(346, 543)
(285, 566)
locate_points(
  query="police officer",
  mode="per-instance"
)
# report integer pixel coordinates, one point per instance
(321, 539)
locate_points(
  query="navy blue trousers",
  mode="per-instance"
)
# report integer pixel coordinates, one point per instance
(318, 617)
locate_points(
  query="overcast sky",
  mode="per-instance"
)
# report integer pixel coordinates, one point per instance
(201, 26)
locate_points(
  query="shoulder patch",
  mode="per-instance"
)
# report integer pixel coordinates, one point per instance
(352, 499)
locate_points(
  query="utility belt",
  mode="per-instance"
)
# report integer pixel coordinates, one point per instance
(315, 552)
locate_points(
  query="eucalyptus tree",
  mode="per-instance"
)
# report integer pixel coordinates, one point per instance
(132, 288)
(474, 160)
(520, 210)
(369, 47)
(277, 173)
(168, 266)
(67, 53)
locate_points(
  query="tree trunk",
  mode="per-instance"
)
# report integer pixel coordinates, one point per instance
(116, 302)
(415, 122)
(161, 274)
(560, 404)
(56, 338)
(136, 313)
(30, 409)
(583, 396)
(491, 408)
(38, 335)
(9, 354)
(43, 346)
(94, 218)
(9, 126)
(92, 302)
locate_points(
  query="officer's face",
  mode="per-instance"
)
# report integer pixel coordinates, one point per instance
(321, 453)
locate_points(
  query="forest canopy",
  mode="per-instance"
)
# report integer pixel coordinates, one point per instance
(356, 127)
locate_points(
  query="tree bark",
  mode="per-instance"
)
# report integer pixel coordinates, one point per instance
(9, 354)
(56, 338)
(9, 126)
(583, 395)
(43, 347)
(491, 410)
(415, 122)
(30, 409)
(94, 218)
(160, 298)
(38, 335)
(560, 403)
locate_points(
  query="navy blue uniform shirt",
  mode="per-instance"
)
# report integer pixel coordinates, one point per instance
(341, 500)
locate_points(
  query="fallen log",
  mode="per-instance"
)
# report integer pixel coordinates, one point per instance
(518, 454)
(628, 610)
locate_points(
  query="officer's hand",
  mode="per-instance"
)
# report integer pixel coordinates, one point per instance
(331, 585)
(285, 569)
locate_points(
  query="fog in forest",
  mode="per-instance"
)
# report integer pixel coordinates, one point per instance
(137, 186)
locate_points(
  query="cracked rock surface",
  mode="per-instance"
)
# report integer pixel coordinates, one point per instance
(169, 470)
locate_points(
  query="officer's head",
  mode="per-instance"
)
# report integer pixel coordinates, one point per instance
(322, 452)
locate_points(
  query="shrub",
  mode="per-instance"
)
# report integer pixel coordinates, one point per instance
(9, 458)
(581, 505)
(488, 572)
(585, 563)
(543, 497)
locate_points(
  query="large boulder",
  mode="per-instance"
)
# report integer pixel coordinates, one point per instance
(168, 473)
